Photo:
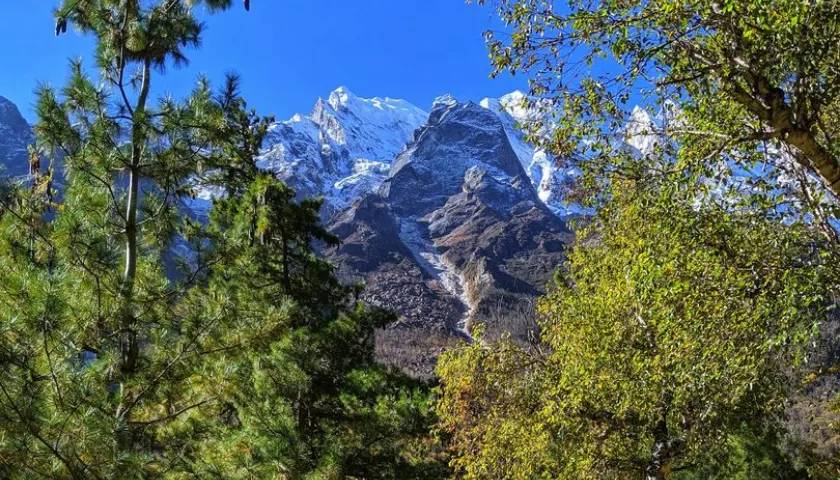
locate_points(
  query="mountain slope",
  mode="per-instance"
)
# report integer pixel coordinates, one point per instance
(15, 136)
(456, 235)
(548, 178)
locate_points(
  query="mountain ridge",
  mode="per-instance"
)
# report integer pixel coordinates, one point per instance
(345, 147)
(456, 236)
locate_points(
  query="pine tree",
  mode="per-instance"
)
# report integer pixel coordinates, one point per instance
(93, 322)
(139, 342)
(301, 393)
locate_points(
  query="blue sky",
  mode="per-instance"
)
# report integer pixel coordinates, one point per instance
(289, 52)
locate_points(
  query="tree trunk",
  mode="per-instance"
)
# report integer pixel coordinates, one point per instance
(128, 344)
(662, 453)
(138, 143)
(131, 230)
(814, 156)
(769, 104)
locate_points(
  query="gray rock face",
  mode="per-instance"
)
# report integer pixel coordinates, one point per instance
(459, 139)
(456, 236)
(15, 136)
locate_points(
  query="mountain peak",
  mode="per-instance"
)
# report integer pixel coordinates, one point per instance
(516, 94)
(344, 148)
(641, 131)
(518, 105)
(10, 114)
(446, 100)
(516, 97)
(457, 137)
(341, 97)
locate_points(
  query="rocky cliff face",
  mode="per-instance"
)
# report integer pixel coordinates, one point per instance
(456, 236)
(15, 136)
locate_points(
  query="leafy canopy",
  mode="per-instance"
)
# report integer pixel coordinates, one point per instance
(753, 80)
(670, 330)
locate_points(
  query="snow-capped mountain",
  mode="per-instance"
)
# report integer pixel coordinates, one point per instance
(15, 136)
(450, 218)
(457, 235)
(345, 147)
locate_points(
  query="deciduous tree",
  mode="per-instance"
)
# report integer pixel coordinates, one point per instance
(671, 330)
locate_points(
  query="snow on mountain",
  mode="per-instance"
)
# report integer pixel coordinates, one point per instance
(369, 129)
(645, 132)
(545, 174)
(344, 148)
(642, 132)
(349, 145)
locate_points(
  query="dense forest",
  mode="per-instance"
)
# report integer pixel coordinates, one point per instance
(691, 332)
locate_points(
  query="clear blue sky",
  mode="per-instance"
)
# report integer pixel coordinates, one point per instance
(289, 52)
